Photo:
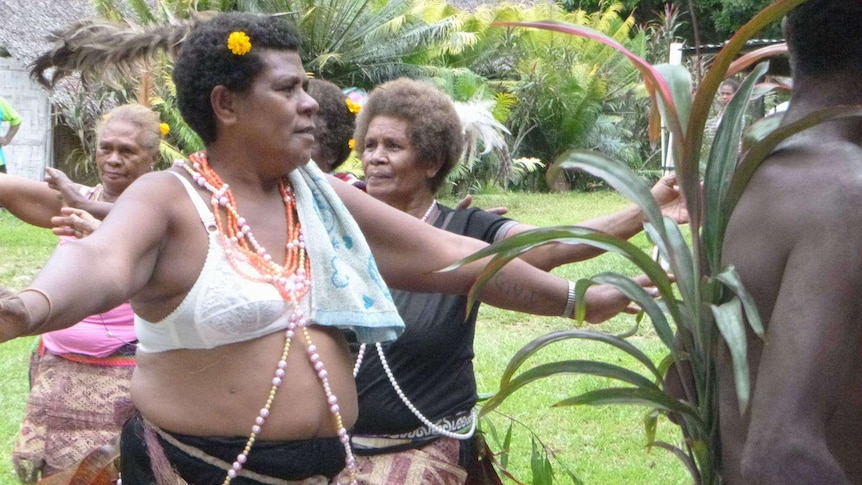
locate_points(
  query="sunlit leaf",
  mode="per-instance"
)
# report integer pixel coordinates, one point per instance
(637, 294)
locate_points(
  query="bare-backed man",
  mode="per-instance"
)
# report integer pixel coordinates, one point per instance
(796, 240)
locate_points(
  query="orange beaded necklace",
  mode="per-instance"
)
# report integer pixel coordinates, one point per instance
(292, 279)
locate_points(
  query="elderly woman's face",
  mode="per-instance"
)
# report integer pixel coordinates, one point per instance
(392, 165)
(120, 156)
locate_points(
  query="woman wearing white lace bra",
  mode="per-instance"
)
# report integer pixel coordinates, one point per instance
(416, 394)
(246, 271)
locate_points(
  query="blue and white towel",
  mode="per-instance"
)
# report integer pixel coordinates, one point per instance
(348, 291)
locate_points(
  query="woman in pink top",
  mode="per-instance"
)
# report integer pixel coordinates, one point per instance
(79, 374)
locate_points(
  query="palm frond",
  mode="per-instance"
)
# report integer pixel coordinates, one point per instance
(95, 48)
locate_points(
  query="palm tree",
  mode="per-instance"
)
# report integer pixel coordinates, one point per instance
(362, 43)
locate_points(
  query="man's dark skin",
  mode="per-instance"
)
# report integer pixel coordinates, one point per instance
(796, 240)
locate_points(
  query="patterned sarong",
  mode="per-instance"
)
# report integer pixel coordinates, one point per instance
(434, 464)
(70, 411)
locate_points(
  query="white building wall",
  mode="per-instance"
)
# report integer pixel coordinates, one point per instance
(30, 151)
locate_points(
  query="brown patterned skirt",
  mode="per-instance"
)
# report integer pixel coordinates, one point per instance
(433, 464)
(70, 411)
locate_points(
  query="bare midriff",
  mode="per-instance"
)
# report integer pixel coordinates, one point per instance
(219, 392)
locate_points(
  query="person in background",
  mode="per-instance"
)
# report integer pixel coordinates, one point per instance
(795, 238)
(79, 374)
(246, 272)
(333, 129)
(726, 90)
(417, 394)
(7, 114)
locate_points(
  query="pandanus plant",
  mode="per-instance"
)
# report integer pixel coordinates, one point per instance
(708, 304)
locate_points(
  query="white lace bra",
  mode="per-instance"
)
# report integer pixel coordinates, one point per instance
(221, 308)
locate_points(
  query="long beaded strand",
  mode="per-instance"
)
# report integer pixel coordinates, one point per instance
(292, 280)
(404, 399)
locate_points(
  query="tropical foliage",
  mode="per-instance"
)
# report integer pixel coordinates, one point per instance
(595, 102)
(708, 303)
(554, 109)
(364, 42)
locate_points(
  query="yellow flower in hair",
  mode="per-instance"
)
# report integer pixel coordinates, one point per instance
(164, 128)
(239, 43)
(353, 106)
(351, 143)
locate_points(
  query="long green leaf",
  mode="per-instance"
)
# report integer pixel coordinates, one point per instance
(730, 278)
(538, 343)
(540, 466)
(728, 318)
(721, 164)
(681, 262)
(632, 395)
(678, 80)
(587, 367)
(510, 248)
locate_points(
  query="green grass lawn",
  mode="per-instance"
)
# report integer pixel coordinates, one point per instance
(601, 445)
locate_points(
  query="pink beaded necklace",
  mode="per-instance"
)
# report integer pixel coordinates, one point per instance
(292, 280)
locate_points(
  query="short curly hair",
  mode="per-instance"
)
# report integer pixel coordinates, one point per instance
(204, 62)
(333, 122)
(434, 128)
(825, 37)
(142, 117)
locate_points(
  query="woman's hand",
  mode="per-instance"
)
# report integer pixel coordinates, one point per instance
(67, 190)
(74, 222)
(468, 199)
(606, 301)
(667, 195)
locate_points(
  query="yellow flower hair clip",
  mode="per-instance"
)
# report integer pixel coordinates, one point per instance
(239, 43)
(164, 129)
(353, 106)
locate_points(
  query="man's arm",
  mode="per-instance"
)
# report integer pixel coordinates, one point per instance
(622, 224)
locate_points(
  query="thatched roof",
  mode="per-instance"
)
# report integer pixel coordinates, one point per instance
(27, 23)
